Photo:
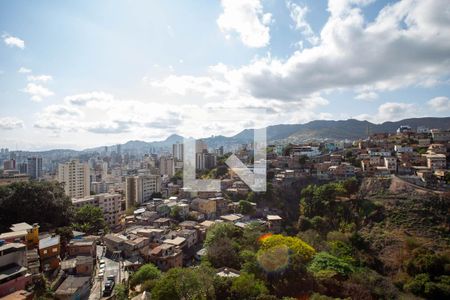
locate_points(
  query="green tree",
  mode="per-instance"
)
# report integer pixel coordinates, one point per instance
(34, 202)
(246, 207)
(246, 286)
(351, 185)
(185, 283)
(145, 273)
(66, 234)
(121, 292)
(89, 219)
(221, 230)
(325, 262)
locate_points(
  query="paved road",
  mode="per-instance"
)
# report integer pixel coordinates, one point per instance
(112, 267)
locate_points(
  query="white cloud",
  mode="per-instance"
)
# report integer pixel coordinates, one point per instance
(42, 78)
(366, 96)
(37, 92)
(298, 14)
(9, 123)
(13, 41)
(407, 44)
(392, 111)
(246, 17)
(92, 97)
(439, 104)
(182, 85)
(24, 70)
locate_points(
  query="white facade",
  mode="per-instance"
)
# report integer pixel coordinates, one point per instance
(75, 176)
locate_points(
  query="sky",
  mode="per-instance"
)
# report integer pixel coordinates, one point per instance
(79, 74)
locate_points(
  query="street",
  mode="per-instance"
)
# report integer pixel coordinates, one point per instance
(112, 267)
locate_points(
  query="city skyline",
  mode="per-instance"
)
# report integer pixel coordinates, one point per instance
(80, 75)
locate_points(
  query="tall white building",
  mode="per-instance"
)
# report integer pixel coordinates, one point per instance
(139, 189)
(76, 178)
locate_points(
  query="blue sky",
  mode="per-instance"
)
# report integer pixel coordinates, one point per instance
(78, 74)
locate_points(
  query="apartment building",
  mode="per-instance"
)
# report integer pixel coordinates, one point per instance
(110, 204)
(75, 176)
(139, 189)
(436, 161)
(167, 166)
(34, 167)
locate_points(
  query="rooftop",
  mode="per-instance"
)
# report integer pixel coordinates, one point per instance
(274, 218)
(11, 246)
(11, 270)
(231, 217)
(176, 241)
(71, 285)
(49, 242)
(13, 234)
(21, 227)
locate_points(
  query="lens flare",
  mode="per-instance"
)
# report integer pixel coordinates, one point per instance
(264, 237)
(274, 259)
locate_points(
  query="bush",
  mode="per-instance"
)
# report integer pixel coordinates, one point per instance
(298, 248)
(246, 286)
(145, 273)
(324, 261)
(426, 261)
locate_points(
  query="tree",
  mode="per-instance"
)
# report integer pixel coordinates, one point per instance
(351, 185)
(121, 292)
(185, 283)
(223, 252)
(34, 202)
(284, 258)
(175, 213)
(246, 207)
(66, 234)
(298, 249)
(145, 273)
(325, 262)
(89, 219)
(246, 286)
(220, 230)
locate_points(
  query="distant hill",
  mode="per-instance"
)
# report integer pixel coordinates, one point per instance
(354, 129)
(315, 130)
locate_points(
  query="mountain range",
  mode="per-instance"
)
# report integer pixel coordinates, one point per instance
(315, 130)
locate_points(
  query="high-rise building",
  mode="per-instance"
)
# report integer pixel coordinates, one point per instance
(201, 146)
(140, 189)
(75, 176)
(34, 168)
(9, 164)
(205, 161)
(219, 151)
(166, 166)
(177, 151)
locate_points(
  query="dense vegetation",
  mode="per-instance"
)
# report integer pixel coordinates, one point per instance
(45, 203)
(352, 240)
(34, 202)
